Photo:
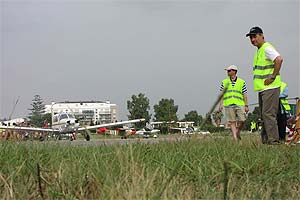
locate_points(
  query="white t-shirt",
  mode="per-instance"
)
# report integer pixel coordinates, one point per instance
(271, 53)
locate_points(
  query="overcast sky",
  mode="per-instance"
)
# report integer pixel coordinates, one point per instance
(110, 50)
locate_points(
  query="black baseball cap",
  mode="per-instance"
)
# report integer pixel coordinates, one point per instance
(254, 30)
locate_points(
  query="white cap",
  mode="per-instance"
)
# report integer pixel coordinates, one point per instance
(231, 67)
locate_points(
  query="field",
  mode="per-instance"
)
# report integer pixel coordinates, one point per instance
(202, 167)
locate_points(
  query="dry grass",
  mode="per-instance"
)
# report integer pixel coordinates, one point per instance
(210, 168)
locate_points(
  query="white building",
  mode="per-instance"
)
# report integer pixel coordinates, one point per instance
(98, 112)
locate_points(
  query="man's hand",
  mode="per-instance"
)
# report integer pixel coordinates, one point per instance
(220, 107)
(246, 109)
(268, 81)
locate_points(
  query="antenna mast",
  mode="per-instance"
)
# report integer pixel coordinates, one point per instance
(14, 107)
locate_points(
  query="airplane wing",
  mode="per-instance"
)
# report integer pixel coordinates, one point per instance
(20, 128)
(110, 124)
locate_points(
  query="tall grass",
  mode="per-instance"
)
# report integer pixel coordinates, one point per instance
(207, 168)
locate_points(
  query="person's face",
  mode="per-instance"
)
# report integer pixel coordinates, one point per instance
(231, 72)
(257, 40)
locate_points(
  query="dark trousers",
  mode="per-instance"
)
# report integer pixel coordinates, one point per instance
(281, 122)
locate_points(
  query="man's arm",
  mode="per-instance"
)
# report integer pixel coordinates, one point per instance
(246, 102)
(277, 66)
(221, 100)
(284, 93)
(221, 104)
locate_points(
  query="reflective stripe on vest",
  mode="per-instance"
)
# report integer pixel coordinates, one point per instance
(263, 69)
(233, 95)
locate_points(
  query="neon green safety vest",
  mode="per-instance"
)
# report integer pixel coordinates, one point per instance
(253, 125)
(233, 95)
(263, 69)
(284, 102)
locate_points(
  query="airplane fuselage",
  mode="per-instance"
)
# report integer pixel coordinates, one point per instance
(65, 123)
(66, 126)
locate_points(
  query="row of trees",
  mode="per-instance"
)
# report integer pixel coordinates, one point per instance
(139, 107)
(165, 110)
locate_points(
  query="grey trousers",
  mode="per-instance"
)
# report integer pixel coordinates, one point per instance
(268, 104)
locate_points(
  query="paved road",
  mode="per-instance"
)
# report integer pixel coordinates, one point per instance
(114, 141)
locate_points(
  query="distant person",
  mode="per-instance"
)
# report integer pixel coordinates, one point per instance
(266, 66)
(283, 110)
(259, 125)
(253, 126)
(235, 101)
(45, 124)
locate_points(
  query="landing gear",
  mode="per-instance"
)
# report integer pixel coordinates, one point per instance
(41, 138)
(73, 136)
(87, 137)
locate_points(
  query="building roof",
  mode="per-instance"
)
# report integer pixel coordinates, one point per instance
(91, 101)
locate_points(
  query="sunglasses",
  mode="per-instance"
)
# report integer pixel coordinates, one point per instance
(253, 36)
(230, 70)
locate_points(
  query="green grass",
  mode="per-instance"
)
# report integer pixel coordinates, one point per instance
(206, 168)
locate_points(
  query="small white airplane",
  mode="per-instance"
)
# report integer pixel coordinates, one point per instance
(67, 124)
(148, 131)
(188, 130)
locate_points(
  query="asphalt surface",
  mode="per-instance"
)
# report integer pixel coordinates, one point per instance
(112, 141)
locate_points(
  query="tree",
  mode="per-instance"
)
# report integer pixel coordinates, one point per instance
(206, 123)
(139, 107)
(37, 111)
(165, 110)
(194, 117)
(208, 119)
(217, 116)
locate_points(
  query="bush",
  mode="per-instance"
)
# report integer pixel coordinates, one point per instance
(213, 129)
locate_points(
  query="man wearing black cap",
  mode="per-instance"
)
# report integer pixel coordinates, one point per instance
(266, 66)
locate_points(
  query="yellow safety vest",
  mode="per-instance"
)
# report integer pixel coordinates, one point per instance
(233, 95)
(253, 125)
(283, 101)
(263, 69)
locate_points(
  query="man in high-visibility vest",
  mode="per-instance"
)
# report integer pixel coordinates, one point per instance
(234, 100)
(266, 66)
(284, 110)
